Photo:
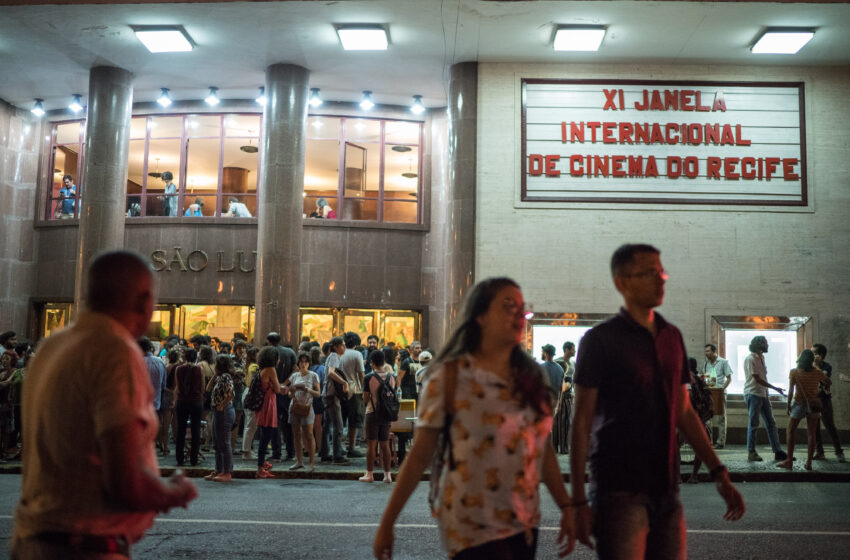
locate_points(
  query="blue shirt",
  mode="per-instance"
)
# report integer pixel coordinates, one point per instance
(555, 374)
(67, 195)
(156, 370)
(189, 212)
(169, 202)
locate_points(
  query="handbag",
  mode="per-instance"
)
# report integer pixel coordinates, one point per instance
(301, 410)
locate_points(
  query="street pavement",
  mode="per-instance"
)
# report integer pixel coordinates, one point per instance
(336, 519)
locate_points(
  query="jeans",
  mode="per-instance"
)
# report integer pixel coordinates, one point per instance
(187, 410)
(333, 415)
(250, 430)
(761, 406)
(515, 547)
(266, 435)
(828, 419)
(284, 430)
(222, 425)
(633, 526)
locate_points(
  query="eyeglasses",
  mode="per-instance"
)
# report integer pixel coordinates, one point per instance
(654, 274)
(512, 307)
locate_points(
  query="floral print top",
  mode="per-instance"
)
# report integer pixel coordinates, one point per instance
(222, 392)
(498, 450)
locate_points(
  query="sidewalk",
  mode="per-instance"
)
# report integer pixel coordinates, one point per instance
(733, 456)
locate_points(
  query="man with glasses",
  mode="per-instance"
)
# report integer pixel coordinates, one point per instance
(631, 386)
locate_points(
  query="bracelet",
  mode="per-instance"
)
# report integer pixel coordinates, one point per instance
(717, 471)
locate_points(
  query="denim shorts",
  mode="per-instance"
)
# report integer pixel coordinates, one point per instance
(798, 412)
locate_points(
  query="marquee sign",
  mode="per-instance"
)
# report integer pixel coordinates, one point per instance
(663, 142)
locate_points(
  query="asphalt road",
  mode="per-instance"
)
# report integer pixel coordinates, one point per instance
(327, 519)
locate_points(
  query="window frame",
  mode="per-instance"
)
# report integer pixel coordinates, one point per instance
(49, 200)
(344, 141)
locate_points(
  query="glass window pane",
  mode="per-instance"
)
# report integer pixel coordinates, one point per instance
(213, 320)
(362, 169)
(56, 317)
(400, 132)
(321, 169)
(323, 128)
(779, 361)
(199, 126)
(556, 335)
(317, 326)
(403, 212)
(65, 160)
(160, 325)
(202, 166)
(163, 157)
(240, 166)
(401, 172)
(311, 205)
(360, 209)
(192, 204)
(362, 324)
(135, 178)
(138, 127)
(242, 125)
(239, 206)
(68, 133)
(166, 127)
(363, 130)
(400, 330)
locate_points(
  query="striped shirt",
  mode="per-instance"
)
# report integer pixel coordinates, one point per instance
(805, 384)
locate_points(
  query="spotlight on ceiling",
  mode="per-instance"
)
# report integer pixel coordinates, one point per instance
(367, 37)
(212, 98)
(366, 103)
(417, 108)
(261, 98)
(76, 103)
(578, 37)
(164, 38)
(782, 40)
(315, 100)
(164, 98)
(38, 108)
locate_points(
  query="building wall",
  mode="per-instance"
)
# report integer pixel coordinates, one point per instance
(19, 134)
(721, 260)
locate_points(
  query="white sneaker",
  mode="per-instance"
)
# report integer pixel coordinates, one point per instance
(388, 478)
(248, 456)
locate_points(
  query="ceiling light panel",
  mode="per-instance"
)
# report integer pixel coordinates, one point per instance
(164, 38)
(782, 41)
(578, 38)
(363, 38)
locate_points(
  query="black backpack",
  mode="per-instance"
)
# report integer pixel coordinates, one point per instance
(255, 397)
(701, 399)
(385, 402)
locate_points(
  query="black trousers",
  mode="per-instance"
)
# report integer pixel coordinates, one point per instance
(515, 547)
(192, 411)
(284, 430)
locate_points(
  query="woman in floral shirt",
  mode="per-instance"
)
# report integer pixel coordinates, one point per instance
(224, 415)
(499, 419)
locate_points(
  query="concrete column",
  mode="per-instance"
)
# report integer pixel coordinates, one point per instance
(104, 182)
(281, 203)
(460, 196)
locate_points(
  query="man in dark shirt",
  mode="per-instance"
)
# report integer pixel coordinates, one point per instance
(631, 387)
(827, 414)
(285, 367)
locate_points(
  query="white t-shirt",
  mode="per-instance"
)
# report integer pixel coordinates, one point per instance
(311, 380)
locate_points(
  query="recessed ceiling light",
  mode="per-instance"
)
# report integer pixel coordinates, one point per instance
(164, 38)
(782, 41)
(366, 103)
(76, 104)
(212, 98)
(417, 108)
(38, 108)
(363, 37)
(315, 100)
(579, 37)
(164, 98)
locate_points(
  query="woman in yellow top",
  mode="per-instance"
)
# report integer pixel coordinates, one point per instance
(803, 392)
(492, 398)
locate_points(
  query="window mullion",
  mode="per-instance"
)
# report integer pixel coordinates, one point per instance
(381, 141)
(144, 199)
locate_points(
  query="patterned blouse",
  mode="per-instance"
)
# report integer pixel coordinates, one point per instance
(222, 392)
(498, 450)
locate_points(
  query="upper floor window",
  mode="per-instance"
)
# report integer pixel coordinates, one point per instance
(66, 164)
(193, 165)
(363, 169)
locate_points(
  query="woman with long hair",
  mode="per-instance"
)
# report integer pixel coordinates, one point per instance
(166, 411)
(206, 361)
(251, 369)
(803, 392)
(303, 388)
(488, 398)
(221, 389)
(318, 406)
(267, 415)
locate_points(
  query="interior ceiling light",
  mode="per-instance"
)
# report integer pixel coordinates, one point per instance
(38, 108)
(579, 37)
(782, 40)
(164, 38)
(212, 98)
(164, 98)
(409, 174)
(417, 108)
(315, 100)
(249, 148)
(155, 174)
(76, 103)
(261, 99)
(363, 37)
(401, 149)
(366, 103)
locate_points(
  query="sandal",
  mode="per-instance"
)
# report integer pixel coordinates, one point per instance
(786, 464)
(267, 466)
(264, 474)
(808, 465)
(296, 467)
(366, 478)
(211, 476)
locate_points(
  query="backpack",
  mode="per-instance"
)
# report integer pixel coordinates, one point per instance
(445, 452)
(255, 397)
(701, 399)
(386, 402)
